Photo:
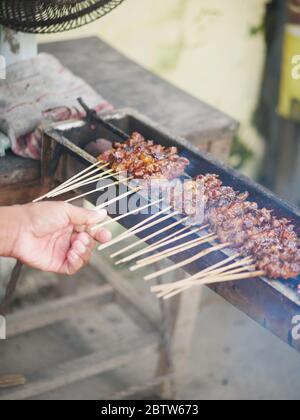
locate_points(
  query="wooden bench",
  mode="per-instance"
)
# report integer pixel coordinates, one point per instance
(20, 180)
(123, 83)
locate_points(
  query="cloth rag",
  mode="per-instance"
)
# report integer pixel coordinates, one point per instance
(41, 90)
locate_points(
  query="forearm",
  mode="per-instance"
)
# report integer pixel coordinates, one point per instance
(10, 222)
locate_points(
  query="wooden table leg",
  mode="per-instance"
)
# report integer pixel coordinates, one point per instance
(180, 315)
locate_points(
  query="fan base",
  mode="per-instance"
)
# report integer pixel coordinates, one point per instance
(17, 46)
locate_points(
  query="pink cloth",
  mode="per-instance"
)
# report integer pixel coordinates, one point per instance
(29, 145)
(41, 90)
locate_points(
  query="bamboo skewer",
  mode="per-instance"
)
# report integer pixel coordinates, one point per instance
(221, 279)
(201, 274)
(165, 239)
(156, 222)
(211, 271)
(170, 294)
(75, 178)
(148, 226)
(210, 236)
(99, 189)
(123, 216)
(82, 183)
(144, 223)
(162, 243)
(173, 251)
(132, 231)
(211, 280)
(120, 197)
(65, 183)
(141, 241)
(187, 262)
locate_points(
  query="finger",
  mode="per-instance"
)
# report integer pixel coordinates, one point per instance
(83, 243)
(74, 263)
(81, 217)
(84, 251)
(79, 255)
(102, 236)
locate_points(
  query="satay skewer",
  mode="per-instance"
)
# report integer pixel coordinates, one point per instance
(204, 281)
(120, 197)
(123, 216)
(89, 171)
(142, 241)
(222, 279)
(224, 264)
(213, 270)
(84, 182)
(104, 187)
(148, 226)
(174, 237)
(144, 224)
(213, 279)
(187, 261)
(174, 251)
(78, 179)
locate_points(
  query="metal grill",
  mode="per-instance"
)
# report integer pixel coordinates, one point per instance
(35, 16)
(117, 127)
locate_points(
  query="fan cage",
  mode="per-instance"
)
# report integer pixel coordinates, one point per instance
(52, 16)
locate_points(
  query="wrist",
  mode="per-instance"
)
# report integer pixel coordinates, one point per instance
(10, 228)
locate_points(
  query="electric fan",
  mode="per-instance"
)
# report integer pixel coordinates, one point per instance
(38, 16)
(44, 17)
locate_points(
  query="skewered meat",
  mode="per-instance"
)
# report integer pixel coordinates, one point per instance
(145, 160)
(272, 242)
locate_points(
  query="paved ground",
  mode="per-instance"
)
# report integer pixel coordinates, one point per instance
(232, 357)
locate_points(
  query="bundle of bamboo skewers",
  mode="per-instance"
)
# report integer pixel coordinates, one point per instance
(182, 231)
(222, 271)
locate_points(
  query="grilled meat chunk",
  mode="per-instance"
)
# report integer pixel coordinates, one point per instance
(145, 160)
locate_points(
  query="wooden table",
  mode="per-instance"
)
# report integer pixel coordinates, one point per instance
(124, 84)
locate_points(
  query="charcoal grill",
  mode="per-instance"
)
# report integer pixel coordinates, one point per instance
(273, 304)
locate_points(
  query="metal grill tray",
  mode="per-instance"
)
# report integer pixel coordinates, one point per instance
(252, 296)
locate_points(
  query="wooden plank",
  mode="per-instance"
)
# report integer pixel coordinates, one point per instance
(21, 193)
(176, 346)
(14, 169)
(125, 83)
(135, 390)
(132, 303)
(57, 310)
(79, 369)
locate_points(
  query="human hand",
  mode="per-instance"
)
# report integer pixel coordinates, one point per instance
(56, 237)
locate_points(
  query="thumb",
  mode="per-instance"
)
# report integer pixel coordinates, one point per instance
(80, 217)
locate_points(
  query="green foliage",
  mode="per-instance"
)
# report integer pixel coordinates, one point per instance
(240, 154)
